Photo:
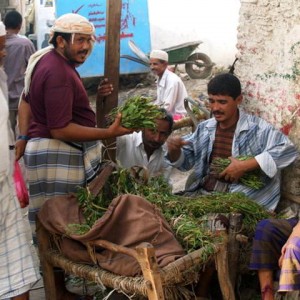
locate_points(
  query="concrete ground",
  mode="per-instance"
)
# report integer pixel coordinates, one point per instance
(37, 290)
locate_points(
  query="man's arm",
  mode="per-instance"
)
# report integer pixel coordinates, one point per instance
(278, 151)
(24, 116)
(76, 133)
(174, 145)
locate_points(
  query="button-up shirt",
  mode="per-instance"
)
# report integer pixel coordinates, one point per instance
(254, 137)
(171, 93)
(131, 152)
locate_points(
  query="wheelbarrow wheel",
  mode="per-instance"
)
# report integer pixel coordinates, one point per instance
(198, 66)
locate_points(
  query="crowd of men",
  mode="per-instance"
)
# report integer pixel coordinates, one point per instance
(61, 146)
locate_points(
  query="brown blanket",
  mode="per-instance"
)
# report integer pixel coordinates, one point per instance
(129, 221)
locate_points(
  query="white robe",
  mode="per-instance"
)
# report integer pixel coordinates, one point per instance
(17, 269)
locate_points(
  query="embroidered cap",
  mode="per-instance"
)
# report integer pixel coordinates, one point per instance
(159, 54)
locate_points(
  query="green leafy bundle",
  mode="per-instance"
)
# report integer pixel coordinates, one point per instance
(186, 215)
(137, 112)
(252, 179)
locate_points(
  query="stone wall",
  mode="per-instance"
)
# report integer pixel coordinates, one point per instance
(269, 68)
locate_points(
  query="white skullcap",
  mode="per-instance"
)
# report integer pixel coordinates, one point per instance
(72, 23)
(159, 54)
(2, 29)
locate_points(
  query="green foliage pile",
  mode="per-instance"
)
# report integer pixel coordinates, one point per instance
(252, 179)
(137, 112)
(186, 215)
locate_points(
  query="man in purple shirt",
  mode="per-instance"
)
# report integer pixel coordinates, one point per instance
(63, 148)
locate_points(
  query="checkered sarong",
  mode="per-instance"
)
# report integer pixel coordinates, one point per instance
(58, 168)
(17, 269)
(290, 272)
(270, 236)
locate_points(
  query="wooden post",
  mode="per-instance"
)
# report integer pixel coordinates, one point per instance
(221, 259)
(47, 268)
(111, 67)
(235, 225)
(148, 263)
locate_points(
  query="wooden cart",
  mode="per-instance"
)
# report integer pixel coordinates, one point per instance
(155, 283)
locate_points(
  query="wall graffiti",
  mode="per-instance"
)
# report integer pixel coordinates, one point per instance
(278, 94)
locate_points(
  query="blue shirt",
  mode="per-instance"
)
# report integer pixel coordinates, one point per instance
(254, 137)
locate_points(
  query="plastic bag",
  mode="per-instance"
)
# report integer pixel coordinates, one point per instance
(20, 186)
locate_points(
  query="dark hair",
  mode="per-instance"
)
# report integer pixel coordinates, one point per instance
(65, 36)
(225, 84)
(13, 20)
(167, 117)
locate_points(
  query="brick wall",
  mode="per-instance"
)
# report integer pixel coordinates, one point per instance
(269, 69)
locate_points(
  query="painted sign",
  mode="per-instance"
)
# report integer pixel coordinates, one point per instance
(134, 27)
(44, 18)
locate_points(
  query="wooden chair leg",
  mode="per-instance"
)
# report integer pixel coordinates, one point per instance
(47, 268)
(147, 260)
(223, 270)
(235, 225)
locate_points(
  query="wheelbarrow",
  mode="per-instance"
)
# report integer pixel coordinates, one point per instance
(197, 65)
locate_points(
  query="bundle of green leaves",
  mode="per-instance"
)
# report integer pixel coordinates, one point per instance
(186, 215)
(137, 112)
(252, 179)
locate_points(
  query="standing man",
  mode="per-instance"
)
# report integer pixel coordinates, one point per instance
(63, 150)
(17, 270)
(19, 48)
(170, 88)
(147, 148)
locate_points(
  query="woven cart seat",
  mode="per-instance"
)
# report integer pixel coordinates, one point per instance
(155, 283)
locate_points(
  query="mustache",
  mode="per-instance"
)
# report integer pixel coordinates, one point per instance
(155, 145)
(217, 112)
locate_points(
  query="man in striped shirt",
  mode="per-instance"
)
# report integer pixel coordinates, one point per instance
(229, 134)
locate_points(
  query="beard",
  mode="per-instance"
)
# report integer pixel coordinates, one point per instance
(72, 56)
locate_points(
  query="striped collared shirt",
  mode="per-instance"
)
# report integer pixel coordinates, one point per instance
(254, 137)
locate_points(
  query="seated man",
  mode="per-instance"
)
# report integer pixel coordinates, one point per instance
(229, 134)
(147, 148)
(277, 245)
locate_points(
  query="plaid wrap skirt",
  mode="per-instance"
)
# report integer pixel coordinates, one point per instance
(58, 168)
(270, 236)
(290, 272)
(17, 269)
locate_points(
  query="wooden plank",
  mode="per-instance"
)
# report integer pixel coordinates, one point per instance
(222, 267)
(235, 225)
(148, 263)
(47, 268)
(111, 67)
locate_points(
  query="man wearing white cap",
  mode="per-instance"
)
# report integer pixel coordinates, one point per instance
(56, 121)
(17, 270)
(170, 88)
